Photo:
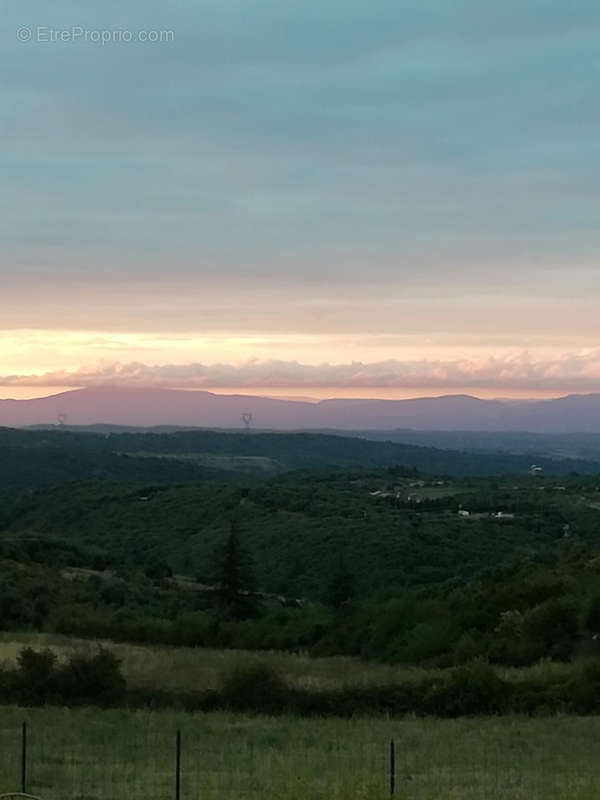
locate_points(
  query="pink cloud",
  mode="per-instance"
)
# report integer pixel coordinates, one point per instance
(567, 372)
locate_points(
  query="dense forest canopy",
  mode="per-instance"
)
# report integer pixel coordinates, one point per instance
(382, 550)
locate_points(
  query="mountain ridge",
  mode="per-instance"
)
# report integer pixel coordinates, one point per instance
(146, 407)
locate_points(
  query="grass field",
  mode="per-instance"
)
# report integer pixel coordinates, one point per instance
(184, 669)
(89, 754)
(106, 755)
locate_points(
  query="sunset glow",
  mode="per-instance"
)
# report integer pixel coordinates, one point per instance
(380, 215)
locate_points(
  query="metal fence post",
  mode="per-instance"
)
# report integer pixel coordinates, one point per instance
(24, 758)
(178, 766)
(392, 768)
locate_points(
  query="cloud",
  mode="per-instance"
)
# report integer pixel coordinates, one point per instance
(272, 136)
(568, 373)
(418, 170)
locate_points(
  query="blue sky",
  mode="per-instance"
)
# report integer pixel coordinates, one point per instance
(403, 180)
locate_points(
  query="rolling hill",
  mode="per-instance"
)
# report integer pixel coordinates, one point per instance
(33, 459)
(150, 407)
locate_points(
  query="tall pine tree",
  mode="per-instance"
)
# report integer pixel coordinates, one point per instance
(235, 579)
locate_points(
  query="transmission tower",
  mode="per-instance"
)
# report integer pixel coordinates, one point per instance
(247, 420)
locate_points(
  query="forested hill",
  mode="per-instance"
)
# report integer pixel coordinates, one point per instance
(389, 529)
(366, 562)
(35, 459)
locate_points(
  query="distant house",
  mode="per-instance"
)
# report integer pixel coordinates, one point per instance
(413, 498)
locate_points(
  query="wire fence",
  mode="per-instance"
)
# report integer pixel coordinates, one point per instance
(100, 762)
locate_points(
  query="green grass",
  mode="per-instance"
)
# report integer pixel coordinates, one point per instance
(186, 669)
(106, 755)
(89, 754)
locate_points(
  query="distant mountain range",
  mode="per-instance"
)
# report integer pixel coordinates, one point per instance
(150, 407)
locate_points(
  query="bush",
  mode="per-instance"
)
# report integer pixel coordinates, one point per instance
(97, 679)
(583, 691)
(471, 689)
(9, 686)
(255, 687)
(429, 640)
(471, 645)
(36, 667)
(554, 624)
(592, 616)
(36, 677)
(158, 570)
(515, 652)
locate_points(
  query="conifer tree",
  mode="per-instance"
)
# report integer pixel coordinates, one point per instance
(235, 579)
(341, 587)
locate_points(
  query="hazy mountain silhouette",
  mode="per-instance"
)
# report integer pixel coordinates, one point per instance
(147, 407)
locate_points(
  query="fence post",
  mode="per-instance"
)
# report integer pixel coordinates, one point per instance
(178, 766)
(392, 767)
(24, 758)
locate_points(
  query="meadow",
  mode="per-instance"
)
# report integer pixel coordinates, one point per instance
(88, 754)
(184, 669)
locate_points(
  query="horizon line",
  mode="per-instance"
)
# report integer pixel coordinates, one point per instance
(279, 393)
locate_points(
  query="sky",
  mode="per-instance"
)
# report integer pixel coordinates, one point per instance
(377, 199)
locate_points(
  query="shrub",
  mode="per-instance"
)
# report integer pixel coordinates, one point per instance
(9, 686)
(427, 640)
(36, 678)
(255, 687)
(470, 645)
(592, 616)
(583, 691)
(554, 624)
(35, 666)
(471, 689)
(97, 679)
(157, 570)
